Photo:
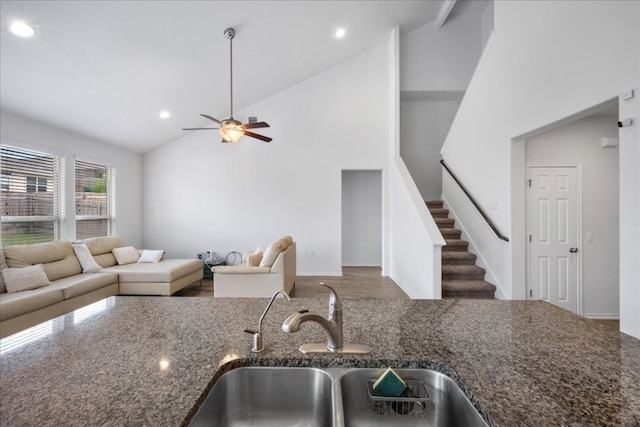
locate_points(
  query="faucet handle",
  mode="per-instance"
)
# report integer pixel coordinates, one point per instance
(334, 300)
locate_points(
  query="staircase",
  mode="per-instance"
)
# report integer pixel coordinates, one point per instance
(461, 277)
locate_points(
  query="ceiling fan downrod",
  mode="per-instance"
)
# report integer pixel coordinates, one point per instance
(230, 33)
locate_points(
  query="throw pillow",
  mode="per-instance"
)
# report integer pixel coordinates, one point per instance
(126, 255)
(270, 255)
(89, 265)
(24, 278)
(254, 259)
(151, 256)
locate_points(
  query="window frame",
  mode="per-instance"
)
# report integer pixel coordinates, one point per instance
(110, 180)
(56, 184)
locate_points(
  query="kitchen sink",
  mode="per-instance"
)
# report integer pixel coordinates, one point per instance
(266, 396)
(337, 397)
(434, 400)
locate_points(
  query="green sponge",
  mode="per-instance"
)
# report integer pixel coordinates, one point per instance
(389, 384)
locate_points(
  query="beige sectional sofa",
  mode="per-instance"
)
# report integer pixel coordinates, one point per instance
(276, 271)
(70, 288)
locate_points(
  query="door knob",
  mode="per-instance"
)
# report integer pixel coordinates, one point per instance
(573, 250)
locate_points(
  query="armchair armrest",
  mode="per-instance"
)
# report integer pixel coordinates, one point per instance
(240, 269)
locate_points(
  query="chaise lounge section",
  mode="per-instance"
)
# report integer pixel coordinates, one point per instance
(163, 278)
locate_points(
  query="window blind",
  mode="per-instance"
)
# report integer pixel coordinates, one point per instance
(93, 199)
(31, 196)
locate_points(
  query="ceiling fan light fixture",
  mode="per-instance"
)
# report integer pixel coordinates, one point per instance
(231, 130)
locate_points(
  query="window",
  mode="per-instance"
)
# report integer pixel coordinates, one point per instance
(32, 208)
(6, 181)
(93, 199)
(36, 184)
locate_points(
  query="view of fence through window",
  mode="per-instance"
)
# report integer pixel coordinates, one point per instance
(33, 198)
(31, 208)
(93, 208)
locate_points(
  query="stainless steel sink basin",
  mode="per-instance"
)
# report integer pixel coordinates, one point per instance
(332, 397)
(265, 396)
(436, 400)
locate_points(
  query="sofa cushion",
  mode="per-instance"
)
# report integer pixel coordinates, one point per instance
(101, 247)
(57, 258)
(24, 278)
(17, 303)
(253, 260)
(3, 265)
(288, 239)
(272, 252)
(89, 265)
(151, 256)
(126, 255)
(165, 271)
(81, 284)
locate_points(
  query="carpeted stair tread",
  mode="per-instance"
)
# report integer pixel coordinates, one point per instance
(462, 272)
(461, 277)
(468, 289)
(458, 257)
(439, 213)
(455, 245)
(444, 222)
(450, 233)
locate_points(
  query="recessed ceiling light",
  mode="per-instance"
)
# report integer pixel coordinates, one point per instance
(340, 32)
(164, 114)
(21, 29)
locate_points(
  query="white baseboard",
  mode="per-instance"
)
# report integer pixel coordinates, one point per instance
(601, 316)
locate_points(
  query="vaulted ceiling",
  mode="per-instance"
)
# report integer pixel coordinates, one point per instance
(106, 69)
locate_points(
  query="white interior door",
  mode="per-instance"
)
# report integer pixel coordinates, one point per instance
(553, 236)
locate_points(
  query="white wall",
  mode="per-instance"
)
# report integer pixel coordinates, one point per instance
(361, 218)
(548, 61)
(579, 143)
(442, 59)
(201, 194)
(423, 128)
(435, 67)
(416, 243)
(128, 164)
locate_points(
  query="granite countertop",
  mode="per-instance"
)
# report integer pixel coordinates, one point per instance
(150, 360)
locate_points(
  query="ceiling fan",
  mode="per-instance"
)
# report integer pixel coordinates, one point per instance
(232, 129)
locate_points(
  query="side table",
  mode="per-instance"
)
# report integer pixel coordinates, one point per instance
(208, 265)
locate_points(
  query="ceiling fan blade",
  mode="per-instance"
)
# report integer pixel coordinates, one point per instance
(260, 137)
(256, 125)
(200, 129)
(211, 118)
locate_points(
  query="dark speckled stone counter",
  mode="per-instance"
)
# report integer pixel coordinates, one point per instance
(150, 360)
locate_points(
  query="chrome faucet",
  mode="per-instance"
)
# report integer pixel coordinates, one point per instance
(258, 344)
(332, 326)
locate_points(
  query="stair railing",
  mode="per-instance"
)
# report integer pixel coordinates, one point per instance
(482, 212)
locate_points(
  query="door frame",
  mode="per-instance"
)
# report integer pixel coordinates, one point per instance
(579, 207)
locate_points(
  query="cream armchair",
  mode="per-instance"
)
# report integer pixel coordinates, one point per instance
(261, 281)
